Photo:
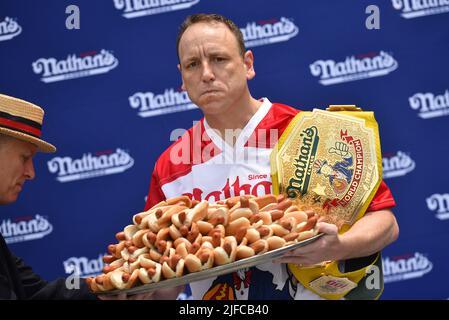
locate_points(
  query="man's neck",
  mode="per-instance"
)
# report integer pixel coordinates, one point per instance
(236, 118)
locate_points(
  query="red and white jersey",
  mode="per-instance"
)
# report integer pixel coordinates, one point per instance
(202, 165)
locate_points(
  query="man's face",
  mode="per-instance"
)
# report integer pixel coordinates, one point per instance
(16, 166)
(213, 71)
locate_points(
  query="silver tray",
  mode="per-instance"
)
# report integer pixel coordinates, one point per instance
(215, 271)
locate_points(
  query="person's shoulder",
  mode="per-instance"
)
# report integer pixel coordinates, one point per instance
(278, 117)
(282, 108)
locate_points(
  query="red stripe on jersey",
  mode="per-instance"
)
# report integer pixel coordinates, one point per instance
(277, 119)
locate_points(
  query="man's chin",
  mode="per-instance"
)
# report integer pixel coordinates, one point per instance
(9, 200)
(211, 108)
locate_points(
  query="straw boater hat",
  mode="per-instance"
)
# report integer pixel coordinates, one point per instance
(23, 120)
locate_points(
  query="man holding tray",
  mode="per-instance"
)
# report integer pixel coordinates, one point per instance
(227, 153)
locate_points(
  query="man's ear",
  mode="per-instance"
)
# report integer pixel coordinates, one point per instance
(183, 87)
(248, 60)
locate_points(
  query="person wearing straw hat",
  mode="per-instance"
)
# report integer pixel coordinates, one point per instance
(20, 140)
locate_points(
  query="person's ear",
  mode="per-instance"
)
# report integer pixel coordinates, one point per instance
(248, 60)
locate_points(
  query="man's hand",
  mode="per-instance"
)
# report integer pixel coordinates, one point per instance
(161, 294)
(326, 248)
(373, 232)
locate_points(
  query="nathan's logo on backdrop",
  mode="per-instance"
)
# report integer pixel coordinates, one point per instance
(139, 8)
(420, 8)
(83, 266)
(353, 68)
(397, 165)
(25, 228)
(9, 29)
(267, 32)
(430, 105)
(440, 204)
(90, 166)
(85, 65)
(406, 267)
(150, 104)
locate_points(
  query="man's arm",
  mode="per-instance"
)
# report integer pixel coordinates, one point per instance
(373, 232)
(37, 288)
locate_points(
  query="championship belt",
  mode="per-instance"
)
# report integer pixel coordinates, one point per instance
(331, 160)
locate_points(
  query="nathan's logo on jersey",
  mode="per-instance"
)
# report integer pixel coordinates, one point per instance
(25, 228)
(353, 68)
(139, 8)
(406, 267)
(267, 32)
(298, 185)
(84, 65)
(90, 166)
(83, 266)
(9, 29)
(430, 105)
(440, 204)
(150, 104)
(397, 165)
(420, 8)
(231, 189)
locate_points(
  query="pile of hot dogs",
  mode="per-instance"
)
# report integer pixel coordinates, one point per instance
(179, 236)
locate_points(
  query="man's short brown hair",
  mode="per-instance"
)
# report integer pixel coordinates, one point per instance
(211, 18)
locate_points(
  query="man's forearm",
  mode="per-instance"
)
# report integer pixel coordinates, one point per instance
(371, 234)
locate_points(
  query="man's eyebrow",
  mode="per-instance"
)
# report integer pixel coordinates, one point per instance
(217, 51)
(185, 62)
(189, 58)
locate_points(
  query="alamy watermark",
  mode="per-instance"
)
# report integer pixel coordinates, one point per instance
(73, 20)
(233, 145)
(373, 20)
(373, 279)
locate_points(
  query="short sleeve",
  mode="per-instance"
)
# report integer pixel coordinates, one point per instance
(383, 199)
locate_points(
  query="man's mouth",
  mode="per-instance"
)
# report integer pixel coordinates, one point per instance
(210, 91)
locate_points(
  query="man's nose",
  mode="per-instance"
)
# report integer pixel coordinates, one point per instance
(208, 74)
(29, 170)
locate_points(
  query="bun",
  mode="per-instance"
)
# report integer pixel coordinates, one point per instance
(180, 236)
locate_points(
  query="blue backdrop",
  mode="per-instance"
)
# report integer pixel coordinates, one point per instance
(111, 91)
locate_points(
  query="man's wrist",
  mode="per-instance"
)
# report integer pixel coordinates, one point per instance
(347, 247)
